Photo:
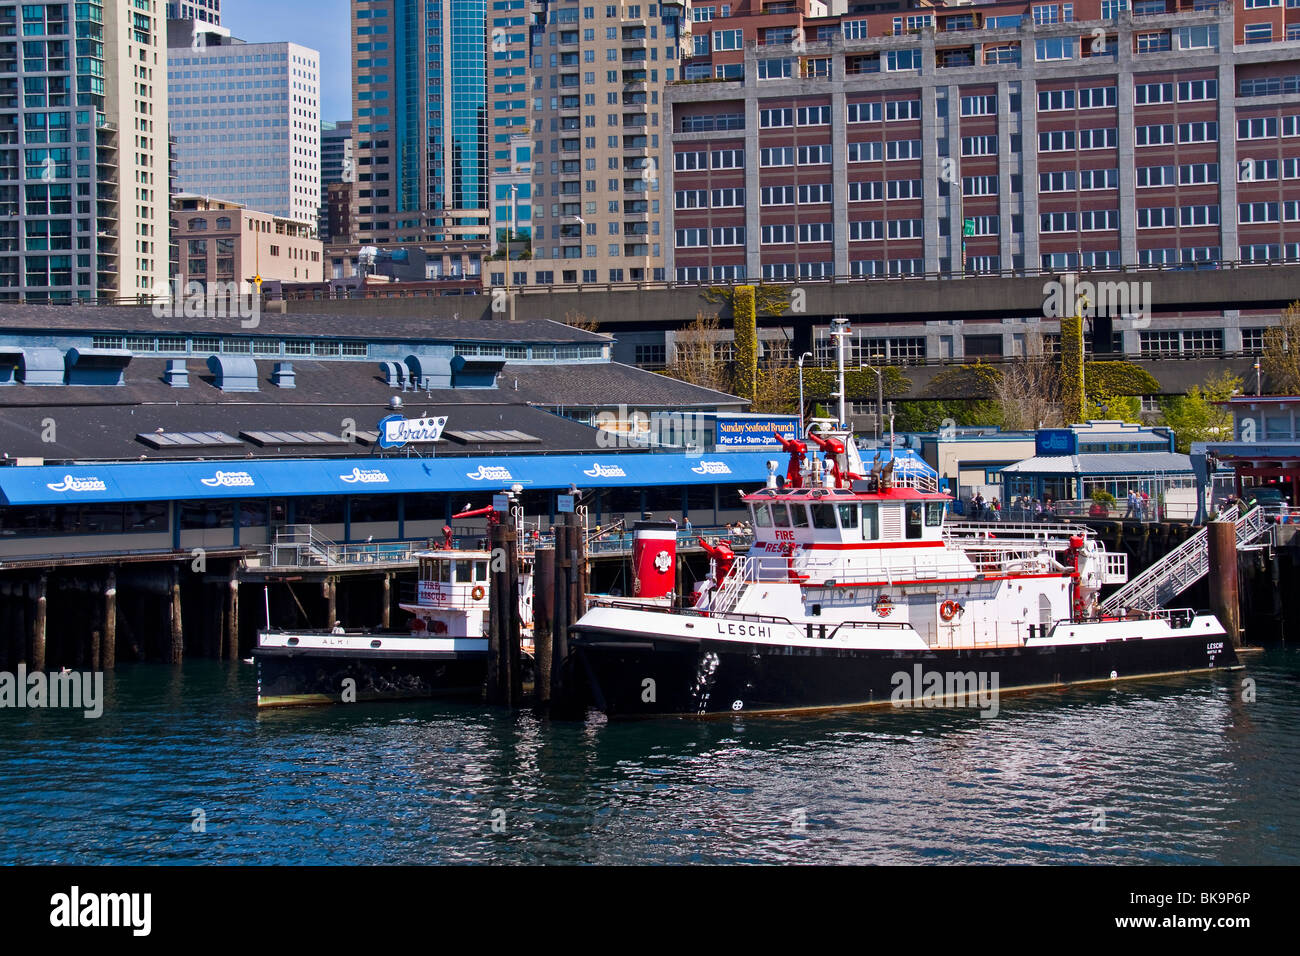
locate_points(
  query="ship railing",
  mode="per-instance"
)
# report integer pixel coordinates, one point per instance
(983, 534)
(863, 570)
(816, 629)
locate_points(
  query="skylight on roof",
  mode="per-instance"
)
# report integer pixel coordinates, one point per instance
(264, 438)
(187, 439)
(490, 435)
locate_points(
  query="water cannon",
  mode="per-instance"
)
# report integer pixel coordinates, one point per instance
(798, 452)
(721, 554)
(829, 446)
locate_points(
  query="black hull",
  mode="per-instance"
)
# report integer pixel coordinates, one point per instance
(715, 677)
(300, 679)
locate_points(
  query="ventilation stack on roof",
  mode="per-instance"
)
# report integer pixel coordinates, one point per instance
(234, 373)
(177, 374)
(10, 359)
(282, 375)
(42, 366)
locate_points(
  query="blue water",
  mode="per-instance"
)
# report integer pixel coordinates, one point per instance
(1177, 770)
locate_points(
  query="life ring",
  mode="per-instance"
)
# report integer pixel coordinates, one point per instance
(948, 610)
(478, 592)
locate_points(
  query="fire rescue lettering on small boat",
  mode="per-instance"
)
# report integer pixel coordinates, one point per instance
(741, 629)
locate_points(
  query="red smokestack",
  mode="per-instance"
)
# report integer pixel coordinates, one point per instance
(654, 558)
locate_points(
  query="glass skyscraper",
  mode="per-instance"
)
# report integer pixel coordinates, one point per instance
(83, 151)
(419, 71)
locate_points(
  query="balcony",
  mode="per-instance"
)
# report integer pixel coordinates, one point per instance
(568, 37)
(636, 228)
(634, 206)
(636, 142)
(634, 56)
(569, 123)
(570, 145)
(571, 231)
(633, 33)
(569, 59)
(635, 119)
(634, 99)
(638, 250)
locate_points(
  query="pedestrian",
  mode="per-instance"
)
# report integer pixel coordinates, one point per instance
(1131, 510)
(689, 529)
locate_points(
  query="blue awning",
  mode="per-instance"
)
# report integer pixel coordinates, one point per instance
(167, 481)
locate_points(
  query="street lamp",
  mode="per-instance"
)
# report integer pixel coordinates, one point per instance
(880, 394)
(799, 363)
(1259, 385)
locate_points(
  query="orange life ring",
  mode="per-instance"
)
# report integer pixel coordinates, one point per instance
(948, 610)
(478, 592)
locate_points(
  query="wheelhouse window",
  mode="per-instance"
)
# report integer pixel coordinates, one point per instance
(762, 516)
(480, 570)
(848, 516)
(780, 516)
(823, 516)
(934, 514)
(464, 571)
(914, 515)
(799, 515)
(870, 522)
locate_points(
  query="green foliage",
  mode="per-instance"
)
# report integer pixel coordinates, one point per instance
(1280, 362)
(964, 381)
(859, 383)
(1195, 417)
(1102, 405)
(745, 332)
(1119, 378)
(928, 416)
(1072, 394)
(768, 299)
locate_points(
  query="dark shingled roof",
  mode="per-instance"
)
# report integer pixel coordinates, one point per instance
(102, 422)
(44, 319)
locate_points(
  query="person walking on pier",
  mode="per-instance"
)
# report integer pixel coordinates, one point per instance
(1132, 510)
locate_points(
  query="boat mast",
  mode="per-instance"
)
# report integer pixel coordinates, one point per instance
(840, 332)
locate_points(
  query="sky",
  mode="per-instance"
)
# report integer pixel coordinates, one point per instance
(319, 24)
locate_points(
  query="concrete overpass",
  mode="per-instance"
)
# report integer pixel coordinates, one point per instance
(1227, 286)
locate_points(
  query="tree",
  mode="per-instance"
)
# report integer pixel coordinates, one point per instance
(1195, 417)
(1280, 362)
(695, 355)
(1028, 389)
(580, 320)
(1102, 404)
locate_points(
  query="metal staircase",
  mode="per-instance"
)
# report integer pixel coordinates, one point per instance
(1182, 567)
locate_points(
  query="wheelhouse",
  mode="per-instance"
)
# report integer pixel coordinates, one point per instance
(454, 567)
(839, 514)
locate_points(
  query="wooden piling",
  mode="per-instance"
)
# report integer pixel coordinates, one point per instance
(38, 627)
(108, 647)
(570, 600)
(505, 676)
(543, 615)
(330, 587)
(1224, 593)
(386, 612)
(232, 613)
(176, 650)
(94, 650)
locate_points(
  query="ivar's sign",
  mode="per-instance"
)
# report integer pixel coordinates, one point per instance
(395, 430)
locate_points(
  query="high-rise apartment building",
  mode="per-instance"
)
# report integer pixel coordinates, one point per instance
(1009, 135)
(246, 119)
(598, 74)
(337, 167)
(83, 151)
(205, 11)
(419, 105)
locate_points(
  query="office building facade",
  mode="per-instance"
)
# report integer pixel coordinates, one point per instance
(224, 242)
(205, 11)
(246, 119)
(419, 91)
(599, 72)
(83, 151)
(337, 169)
(1093, 134)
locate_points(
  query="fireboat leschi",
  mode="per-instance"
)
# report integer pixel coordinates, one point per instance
(858, 592)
